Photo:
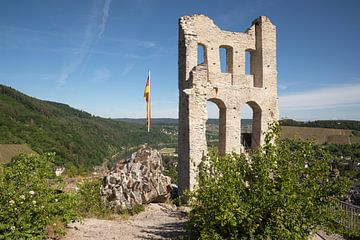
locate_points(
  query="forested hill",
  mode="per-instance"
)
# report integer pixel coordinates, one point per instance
(79, 139)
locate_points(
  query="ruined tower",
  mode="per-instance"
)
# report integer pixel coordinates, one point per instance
(229, 90)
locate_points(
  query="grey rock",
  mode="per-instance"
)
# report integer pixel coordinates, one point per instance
(137, 180)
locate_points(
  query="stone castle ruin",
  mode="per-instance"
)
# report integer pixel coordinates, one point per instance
(229, 89)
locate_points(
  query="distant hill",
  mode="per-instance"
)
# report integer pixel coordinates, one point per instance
(156, 121)
(79, 139)
(173, 121)
(337, 124)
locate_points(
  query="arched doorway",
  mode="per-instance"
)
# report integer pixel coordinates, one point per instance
(216, 125)
(250, 125)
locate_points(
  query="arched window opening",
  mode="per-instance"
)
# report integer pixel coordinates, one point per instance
(226, 59)
(216, 125)
(201, 54)
(250, 125)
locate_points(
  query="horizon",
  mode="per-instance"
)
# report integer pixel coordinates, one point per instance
(96, 56)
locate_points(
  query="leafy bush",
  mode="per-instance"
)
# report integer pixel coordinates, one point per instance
(90, 203)
(280, 191)
(28, 203)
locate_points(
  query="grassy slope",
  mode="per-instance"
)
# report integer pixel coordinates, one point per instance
(320, 135)
(78, 138)
(8, 151)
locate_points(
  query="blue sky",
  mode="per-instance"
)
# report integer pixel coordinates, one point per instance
(94, 54)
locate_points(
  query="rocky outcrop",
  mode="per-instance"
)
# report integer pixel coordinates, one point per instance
(137, 180)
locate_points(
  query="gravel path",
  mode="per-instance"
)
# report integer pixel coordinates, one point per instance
(158, 221)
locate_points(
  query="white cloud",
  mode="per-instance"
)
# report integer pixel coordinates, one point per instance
(105, 15)
(341, 95)
(93, 33)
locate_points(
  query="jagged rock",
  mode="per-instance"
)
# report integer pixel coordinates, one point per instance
(137, 180)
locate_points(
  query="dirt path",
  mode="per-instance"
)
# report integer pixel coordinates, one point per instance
(158, 221)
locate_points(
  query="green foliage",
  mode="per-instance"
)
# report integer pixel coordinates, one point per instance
(27, 202)
(280, 191)
(90, 203)
(346, 159)
(170, 168)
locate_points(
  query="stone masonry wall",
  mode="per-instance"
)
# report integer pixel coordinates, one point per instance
(199, 83)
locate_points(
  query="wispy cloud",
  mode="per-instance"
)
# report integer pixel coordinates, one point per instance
(93, 33)
(102, 75)
(134, 42)
(341, 95)
(128, 68)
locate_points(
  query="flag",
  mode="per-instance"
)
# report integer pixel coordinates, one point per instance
(147, 99)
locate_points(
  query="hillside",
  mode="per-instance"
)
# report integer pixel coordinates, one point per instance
(79, 139)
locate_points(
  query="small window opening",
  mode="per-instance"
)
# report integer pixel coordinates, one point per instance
(247, 62)
(201, 54)
(226, 59)
(212, 125)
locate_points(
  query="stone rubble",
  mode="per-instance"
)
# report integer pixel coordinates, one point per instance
(137, 180)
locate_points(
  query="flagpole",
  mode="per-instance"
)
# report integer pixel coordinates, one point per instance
(149, 104)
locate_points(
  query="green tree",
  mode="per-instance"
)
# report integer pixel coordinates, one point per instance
(280, 191)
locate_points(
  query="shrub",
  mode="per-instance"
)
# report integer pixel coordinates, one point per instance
(90, 202)
(170, 168)
(280, 191)
(28, 203)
